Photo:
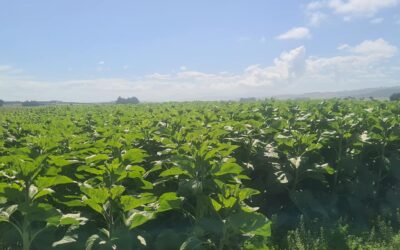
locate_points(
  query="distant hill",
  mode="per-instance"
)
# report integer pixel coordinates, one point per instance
(376, 93)
(37, 103)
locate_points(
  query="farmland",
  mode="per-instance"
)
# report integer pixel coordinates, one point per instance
(201, 175)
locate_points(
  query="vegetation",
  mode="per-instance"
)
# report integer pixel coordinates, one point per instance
(395, 97)
(129, 100)
(247, 99)
(32, 103)
(207, 175)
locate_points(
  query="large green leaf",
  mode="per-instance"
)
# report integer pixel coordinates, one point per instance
(228, 168)
(131, 202)
(250, 223)
(134, 156)
(50, 181)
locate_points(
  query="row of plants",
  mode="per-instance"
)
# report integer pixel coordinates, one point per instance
(199, 175)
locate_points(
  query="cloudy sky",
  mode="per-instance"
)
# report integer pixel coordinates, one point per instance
(97, 50)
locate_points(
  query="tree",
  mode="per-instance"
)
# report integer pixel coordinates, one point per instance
(1, 102)
(248, 99)
(31, 103)
(129, 100)
(395, 97)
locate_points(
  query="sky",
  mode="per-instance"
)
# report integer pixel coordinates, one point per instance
(179, 50)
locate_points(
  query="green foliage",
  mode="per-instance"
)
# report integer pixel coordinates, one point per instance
(129, 100)
(395, 97)
(338, 236)
(203, 175)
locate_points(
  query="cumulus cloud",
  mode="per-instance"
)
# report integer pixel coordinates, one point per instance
(316, 18)
(316, 5)
(373, 48)
(357, 66)
(295, 33)
(362, 65)
(315, 14)
(365, 54)
(350, 9)
(361, 7)
(379, 48)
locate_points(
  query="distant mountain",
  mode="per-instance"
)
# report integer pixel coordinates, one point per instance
(376, 93)
(36, 103)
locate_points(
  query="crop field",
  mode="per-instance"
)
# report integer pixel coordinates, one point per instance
(201, 175)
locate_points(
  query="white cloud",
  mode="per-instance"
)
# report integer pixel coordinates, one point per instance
(7, 69)
(101, 63)
(183, 67)
(315, 12)
(377, 20)
(316, 5)
(361, 7)
(343, 47)
(295, 33)
(316, 18)
(362, 66)
(377, 48)
(286, 67)
(367, 64)
(373, 48)
(349, 9)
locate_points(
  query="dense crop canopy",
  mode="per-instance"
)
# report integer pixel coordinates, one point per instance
(192, 175)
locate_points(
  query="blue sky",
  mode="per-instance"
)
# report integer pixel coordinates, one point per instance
(186, 50)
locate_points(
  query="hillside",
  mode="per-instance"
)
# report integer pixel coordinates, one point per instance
(377, 93)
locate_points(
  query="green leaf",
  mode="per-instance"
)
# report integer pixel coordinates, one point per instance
(91, 170)
(173, 171)
(92, 241)
(98, 195)
(216, 205)
(134, 156)
(250, 223)
(72, 219)
(130, 202)
(246, 193)
(326, 168)
(193, 243)
(228, 202)
(5, 213)
(43, 192)
(135, 169)
(229, 168)
(116, 191)
(65, 240)
(138, 218)
(169, 201)
(91, 203)
(40, 212)
(60, 161)
(45, 182)
(96, 158)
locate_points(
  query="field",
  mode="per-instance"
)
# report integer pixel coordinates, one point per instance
(201, 175)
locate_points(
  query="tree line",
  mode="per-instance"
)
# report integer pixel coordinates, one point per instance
(135, 100)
